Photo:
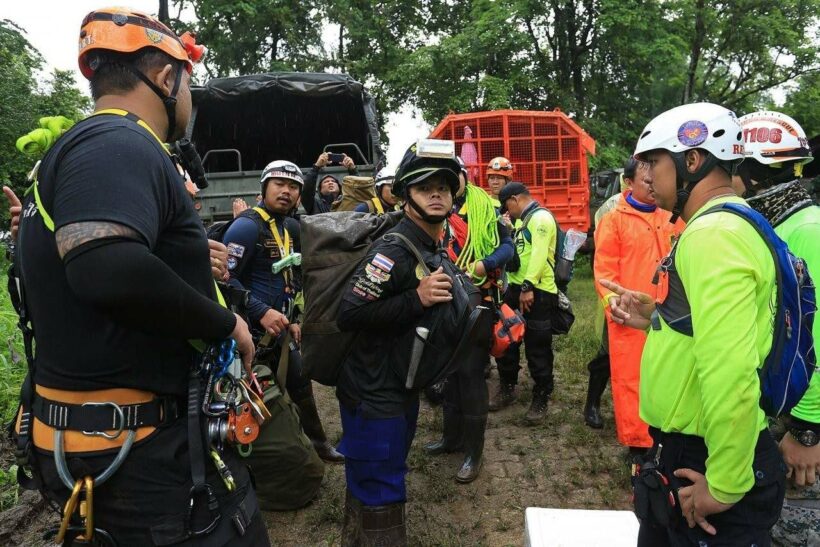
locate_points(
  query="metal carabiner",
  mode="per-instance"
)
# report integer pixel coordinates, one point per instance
(118, 418)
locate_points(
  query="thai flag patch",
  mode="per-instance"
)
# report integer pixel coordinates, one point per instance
(382, 262)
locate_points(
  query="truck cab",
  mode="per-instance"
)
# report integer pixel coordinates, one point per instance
(240, 124)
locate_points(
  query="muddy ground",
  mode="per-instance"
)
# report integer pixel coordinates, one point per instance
(560, 463)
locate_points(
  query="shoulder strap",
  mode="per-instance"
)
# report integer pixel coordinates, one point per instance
(410, 247)
(378, 205)
(529, 217)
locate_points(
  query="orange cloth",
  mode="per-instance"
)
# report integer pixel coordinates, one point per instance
(629, 245)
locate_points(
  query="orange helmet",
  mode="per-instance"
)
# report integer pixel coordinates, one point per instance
(126, 31)
(500, 166)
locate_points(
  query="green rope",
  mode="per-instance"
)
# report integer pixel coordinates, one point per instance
(482, 230)
(37, 142)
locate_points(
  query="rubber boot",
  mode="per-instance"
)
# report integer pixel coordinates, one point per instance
(592, 408)
(538, 406)
(451, 435)
(474, 427)
(504, 397)
(352, 527)
(312, 426)
(383, 526)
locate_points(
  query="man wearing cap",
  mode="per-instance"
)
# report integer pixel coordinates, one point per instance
(319, 200)
(119, 293)
(257, 240)
(386, 299)
(533, 290)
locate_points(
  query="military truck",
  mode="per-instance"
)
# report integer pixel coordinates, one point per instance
(240, 124)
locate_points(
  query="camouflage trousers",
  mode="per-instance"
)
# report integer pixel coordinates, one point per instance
(799, 523)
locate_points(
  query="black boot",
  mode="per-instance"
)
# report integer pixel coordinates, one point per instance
(383, 526)
(352, 527)
(592, 408)
(538, 406)
(504, 397)
(312, 426)
(451, 435)
(474, 427)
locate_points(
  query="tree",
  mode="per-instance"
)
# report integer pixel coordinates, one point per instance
(23, 102)
(803, 103)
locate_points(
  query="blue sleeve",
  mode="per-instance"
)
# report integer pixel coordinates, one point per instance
(240, 239)
(362, 208)
(503, 253)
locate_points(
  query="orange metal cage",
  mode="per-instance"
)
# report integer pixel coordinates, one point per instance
(547, 149)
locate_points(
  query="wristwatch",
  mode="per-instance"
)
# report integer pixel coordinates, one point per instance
(527, 286)
(806, 437)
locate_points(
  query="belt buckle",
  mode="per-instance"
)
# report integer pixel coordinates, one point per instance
(118, 417)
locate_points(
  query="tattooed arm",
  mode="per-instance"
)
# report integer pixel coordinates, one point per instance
(73, 235)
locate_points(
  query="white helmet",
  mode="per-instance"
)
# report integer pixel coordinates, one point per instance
(699, 125)
(282, 169)
(385, 176)
(772, 137)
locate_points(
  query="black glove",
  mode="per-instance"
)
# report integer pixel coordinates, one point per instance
(654, 499)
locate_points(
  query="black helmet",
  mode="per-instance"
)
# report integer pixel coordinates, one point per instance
(415, 168)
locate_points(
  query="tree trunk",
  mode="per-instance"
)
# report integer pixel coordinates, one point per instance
(697, 45)
(163, 12)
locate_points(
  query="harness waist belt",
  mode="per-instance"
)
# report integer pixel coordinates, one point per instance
(97, 420)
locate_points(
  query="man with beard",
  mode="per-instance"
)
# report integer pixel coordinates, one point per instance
(114, 263)
(256, 240)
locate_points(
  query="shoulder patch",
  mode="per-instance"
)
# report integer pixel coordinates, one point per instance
(382, 262)
(231, 262)
(235, 249)
(376, 275)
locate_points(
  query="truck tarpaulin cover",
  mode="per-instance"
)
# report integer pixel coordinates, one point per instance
(285, 115)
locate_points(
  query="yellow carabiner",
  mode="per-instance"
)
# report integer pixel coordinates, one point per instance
(87, 508)
(68, 510)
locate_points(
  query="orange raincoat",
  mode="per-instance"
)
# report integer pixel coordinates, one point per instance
(629, 244)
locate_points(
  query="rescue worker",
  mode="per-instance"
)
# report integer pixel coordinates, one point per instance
(533, 290)
(257, 240)
(482, 248)
(499, 173)
(630, 242)
(598, 366)
(384, 201)
(114, 264)
(776, 151)
(700, 389)
(320, 200)
(386, 297)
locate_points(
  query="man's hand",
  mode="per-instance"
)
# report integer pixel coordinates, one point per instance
(348, 163)
(696, 502)
(244, 343)
(479, 270)
(526, 300)
(219, 260)
(629, 308)
(435, 288)
(296, 333)
(238, 205)
(803, 462)
(15, 209)
(322, 160)
(274, 322)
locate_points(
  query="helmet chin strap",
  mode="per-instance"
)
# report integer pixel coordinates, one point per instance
(685, 181)
(169, 101)
(430, 219)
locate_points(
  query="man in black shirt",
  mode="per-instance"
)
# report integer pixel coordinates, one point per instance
(385, 299)
(320, 200)
(118, 286)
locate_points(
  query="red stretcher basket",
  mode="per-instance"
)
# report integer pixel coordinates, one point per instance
(548, 151)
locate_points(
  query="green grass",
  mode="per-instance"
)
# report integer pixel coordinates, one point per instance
(12, 372)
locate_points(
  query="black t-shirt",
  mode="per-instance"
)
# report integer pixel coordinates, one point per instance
(108, 168)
